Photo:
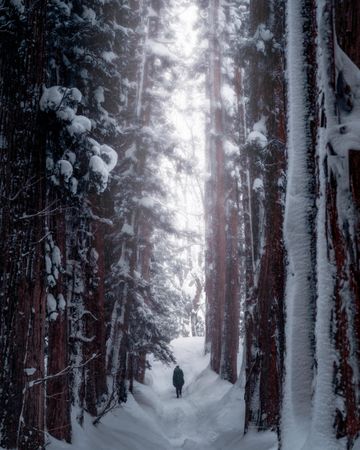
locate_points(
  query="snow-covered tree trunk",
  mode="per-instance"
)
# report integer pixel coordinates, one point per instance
(300, 217)
(347, 20)
(322, 404)
(22, 177)
(264, 180)
(339, 180)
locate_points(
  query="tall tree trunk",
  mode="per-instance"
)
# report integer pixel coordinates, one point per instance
(230, 330)
(215, 204)
(342, 216)
(328, 395)
(94, 318)
(300, 218)
(264, 320)
(22, 175)
(58, 403)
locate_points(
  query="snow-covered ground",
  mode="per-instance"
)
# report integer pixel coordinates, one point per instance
(209, 416)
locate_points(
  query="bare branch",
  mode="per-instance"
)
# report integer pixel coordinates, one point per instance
(62, 372)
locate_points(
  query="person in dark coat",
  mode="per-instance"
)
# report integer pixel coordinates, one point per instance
(178, 380)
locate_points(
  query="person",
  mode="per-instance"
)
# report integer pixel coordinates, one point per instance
(178, 380)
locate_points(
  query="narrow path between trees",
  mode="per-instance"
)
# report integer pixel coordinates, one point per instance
(198, 419)
(209, 416)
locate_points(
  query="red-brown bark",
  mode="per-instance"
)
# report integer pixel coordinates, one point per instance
(215, 215)
(265, 269)
(345, 242)
(347, 425)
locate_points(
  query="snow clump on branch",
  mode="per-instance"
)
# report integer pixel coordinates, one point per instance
(258, 134)
(102, 159)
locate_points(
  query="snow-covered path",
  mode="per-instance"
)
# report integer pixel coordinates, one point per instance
(209, 416)
(196, 420)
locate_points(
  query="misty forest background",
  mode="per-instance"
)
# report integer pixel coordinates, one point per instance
(94, 270)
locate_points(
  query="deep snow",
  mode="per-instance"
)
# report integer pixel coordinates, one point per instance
(209, 416)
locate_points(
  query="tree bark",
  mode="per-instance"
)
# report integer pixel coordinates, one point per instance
(22, 166)
(215, 215)
(58, 403)
(343, 232)
(264, 317)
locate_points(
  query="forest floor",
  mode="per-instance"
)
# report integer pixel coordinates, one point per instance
(209, 416)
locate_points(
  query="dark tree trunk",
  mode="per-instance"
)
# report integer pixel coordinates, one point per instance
(230, 338)
(22, 175)
(195, 306)
(347, 23)
(58, 404)
(343, 233)
(94, 315)
(264, 317)
(215, 203)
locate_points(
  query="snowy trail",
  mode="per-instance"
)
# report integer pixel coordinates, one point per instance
(180, 417)
(210, 410)
(209, 416)
(184, 421)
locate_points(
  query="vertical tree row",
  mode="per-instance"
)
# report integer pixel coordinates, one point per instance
(299, 193)
(136, 315)
(72, 105)
(318, 376)
(261, 191)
